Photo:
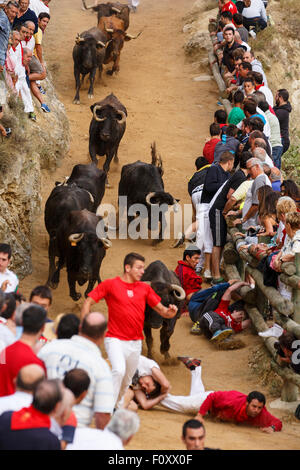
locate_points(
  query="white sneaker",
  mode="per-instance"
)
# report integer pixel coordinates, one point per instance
(207, 274)
(275, 331)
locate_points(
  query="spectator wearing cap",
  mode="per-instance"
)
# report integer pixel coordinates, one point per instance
(22, 352)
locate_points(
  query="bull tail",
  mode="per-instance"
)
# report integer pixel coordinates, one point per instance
(156, 158)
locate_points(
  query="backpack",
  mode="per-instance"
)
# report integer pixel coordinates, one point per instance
(210, 303)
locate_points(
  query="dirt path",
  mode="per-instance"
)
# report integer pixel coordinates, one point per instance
(164, 104)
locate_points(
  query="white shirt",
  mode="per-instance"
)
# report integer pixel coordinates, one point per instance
(256, 9)
(268, 94)
(6, 336)
(145, 366)
(15, 402)
(62, 355)
(30, 44)
(12, 279)
(38, 7)
(95, 439)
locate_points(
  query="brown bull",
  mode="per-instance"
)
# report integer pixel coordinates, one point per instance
(115, 32)
(117, 9)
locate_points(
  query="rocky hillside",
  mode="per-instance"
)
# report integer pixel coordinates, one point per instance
(32, 147)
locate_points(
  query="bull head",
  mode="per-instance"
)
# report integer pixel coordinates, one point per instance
(151, 195)
(178, 292)
(106, 243)
(100, 43)
(115, 9)
(75, 238)
(129, 36)
(97, 118)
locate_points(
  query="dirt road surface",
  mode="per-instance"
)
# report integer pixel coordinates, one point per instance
(164, 104)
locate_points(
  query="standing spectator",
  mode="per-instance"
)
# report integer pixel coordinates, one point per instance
(209, 147)
(275, 138)
(126, 298)
(9, 282)
(25, 14)
(7, 16)
(39, 6)
(29, 428)
(27, 380)
(193, 435)
(82, 351)
(22, 352)
(282, 110)
(217, 220)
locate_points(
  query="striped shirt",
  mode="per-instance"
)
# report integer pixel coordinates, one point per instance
(62, 355)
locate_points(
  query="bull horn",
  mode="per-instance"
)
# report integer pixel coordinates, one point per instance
(79, 39)
(106, 243)
(86, 7)
(123, 119)
(178, 292)
(75, 238)
(116, 9)
(133, 37)
(176, 205)
(100, 43)
(148, 198)
(109, 30)
(95, 114)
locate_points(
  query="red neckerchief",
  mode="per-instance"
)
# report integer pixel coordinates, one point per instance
(257, 87)
(29, 418)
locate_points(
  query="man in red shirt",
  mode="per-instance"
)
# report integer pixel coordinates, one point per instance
(21, 353)
(228, 6)
(209, 147)
(126, 298)
(186, 271)
(239, 408)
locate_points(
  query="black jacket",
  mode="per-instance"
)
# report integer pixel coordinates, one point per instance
(283, 114)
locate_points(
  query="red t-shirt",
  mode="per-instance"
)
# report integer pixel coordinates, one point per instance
(209, 149)
(13, 358)
(126, 306)
(222, 310)
(231, 406)
(229, 6)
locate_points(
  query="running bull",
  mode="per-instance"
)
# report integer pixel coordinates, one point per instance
(117, 9)
(142, 184)
(88, 56)
(167, 285)
(106, 129)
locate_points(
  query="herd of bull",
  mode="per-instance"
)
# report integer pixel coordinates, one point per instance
(71, 210)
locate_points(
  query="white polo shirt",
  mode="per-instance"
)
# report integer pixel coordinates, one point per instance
(95, 439)
(62, 355)
(15, 402)
(12, 279)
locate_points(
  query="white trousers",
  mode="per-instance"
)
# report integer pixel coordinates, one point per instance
(188, 403)
(23, 88)
(135, 3)
(124, 358)
(204, 239)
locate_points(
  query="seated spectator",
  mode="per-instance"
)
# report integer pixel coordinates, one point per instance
(228, 5)
(230, 46)
(276, 179)
(28, 41)
(185, 271)
(233, 80)
(7, 16)
(10, 74)
(27, 380)
(267, 210)
(228, 143)
(9, 282)
(22, 352)
(249, 86)
(239, 22)
(220, 117)
(36, 72)
(237, 114)
(275, 137)
(256, 65)
(254, 14)
(291, 189)
(22, 59)
(260, 86)
(29, 428)
(25, 14)
(43, 21)
(226, 319)
(225, 20)
(258, 149)
(209, 147)
(243, 45)
(244, 69)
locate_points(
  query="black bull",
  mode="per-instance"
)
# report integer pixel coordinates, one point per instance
(106, 129)
(166, 284)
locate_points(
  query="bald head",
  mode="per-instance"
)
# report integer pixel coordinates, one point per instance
(93, 326)
(259, 153)
(259, 142)
(47, 395)
(29, 377)
(63, 411)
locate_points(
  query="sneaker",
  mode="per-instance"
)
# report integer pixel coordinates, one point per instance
(180, 241)
(189, 362)
(275, 331)
(45, 108)
(196, 330)
(207, 274)
(32, 116)
(220, 335)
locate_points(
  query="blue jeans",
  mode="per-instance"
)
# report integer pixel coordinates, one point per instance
(199, 297)
(276, 155)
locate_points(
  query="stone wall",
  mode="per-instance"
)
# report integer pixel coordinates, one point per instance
(33, 146)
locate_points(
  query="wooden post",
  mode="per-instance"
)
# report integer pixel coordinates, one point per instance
(291, 382)
(296, 291)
